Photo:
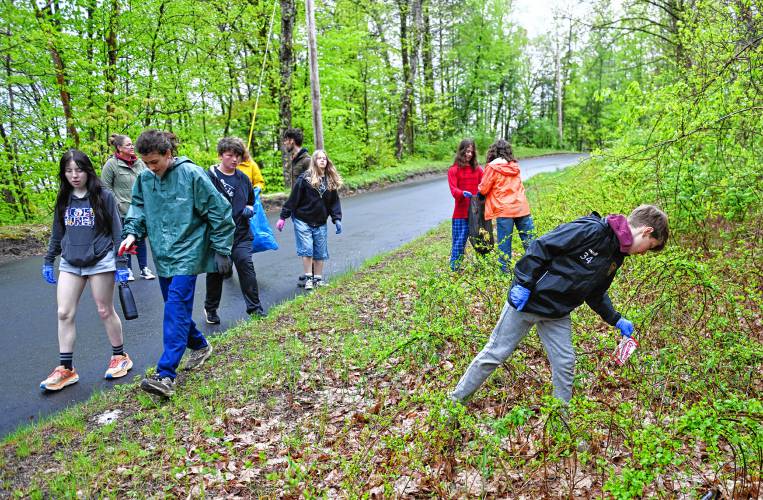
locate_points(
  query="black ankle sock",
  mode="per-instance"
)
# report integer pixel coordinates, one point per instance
(118, 350)
(67, 359)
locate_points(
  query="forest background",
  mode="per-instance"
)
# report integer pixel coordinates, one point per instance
(669, 88)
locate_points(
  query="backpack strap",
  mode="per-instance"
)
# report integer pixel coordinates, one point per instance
(212, 173)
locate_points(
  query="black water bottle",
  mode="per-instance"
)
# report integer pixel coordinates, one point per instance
(129, 309)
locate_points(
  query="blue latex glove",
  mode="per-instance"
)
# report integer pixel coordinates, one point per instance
(247, 212)
(519, 296)
(47, 274)
(121, 275)
(625, 327)
(468, 194)
(338, 225)
(257, 190)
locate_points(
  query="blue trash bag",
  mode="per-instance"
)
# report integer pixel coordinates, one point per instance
(263, 235)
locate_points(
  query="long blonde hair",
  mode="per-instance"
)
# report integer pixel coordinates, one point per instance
(331, 173)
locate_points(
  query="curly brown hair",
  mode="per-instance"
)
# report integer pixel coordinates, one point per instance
(500, 149)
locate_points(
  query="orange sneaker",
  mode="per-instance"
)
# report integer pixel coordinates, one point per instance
(118, 366)
(59, 378)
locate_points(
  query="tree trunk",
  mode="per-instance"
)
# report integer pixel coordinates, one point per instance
(91, 89)
(151, 64)
(60, 68)
(407, 42)
(111, 65)
(366, 125)
(558, 78)
(286, 61)
(441, 58)
(14, 191)
(498, 110)
(315, 82)
(426, 55)
(231, 90)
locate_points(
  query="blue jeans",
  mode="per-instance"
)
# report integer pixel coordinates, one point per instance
(311, 241)
(179, 329)
(505, 226)
(142, 255)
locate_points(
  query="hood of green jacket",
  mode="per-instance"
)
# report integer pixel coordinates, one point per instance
(184, 217)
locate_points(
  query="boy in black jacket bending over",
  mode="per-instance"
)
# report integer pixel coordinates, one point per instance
(574, 263)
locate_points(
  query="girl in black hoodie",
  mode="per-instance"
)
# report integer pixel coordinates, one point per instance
(313, 199)
(86, 232)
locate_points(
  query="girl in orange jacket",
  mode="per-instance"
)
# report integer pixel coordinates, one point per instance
(506, 201)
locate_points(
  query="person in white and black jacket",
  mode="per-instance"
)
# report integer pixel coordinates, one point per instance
(313, 199)
(86, 232)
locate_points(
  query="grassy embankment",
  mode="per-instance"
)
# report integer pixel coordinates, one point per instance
(343, 391)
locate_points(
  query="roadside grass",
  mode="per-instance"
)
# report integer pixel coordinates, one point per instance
(343, 392)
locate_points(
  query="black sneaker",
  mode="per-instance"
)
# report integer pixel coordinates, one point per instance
(301, 281)
(257, 312)
(158, 385)
(198, 357)
(212, 317)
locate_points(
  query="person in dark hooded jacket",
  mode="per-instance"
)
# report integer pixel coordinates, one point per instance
(190, 227)
(85, 233)
(299, 158)
(313, 200)
(574, 263)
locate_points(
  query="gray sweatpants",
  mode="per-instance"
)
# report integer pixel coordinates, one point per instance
(511, 329)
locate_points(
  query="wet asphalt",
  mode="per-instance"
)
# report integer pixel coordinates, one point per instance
(373, 223)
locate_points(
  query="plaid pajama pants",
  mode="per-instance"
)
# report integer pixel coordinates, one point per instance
(460, 228)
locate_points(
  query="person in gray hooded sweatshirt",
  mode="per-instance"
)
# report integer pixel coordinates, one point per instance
(86, 233)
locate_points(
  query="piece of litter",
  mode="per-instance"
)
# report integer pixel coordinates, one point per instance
(108, 417)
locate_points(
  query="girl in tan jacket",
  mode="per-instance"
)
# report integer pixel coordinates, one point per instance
(505, 199)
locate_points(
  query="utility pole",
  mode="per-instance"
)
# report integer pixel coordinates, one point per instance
(558, 78)
(315, 84)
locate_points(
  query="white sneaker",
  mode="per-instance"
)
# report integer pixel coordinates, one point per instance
(309, 283)
(146, 274)
(130, 276)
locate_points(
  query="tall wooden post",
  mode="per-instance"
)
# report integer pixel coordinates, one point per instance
(315, 85)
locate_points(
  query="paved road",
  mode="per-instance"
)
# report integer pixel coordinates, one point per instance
(373, 223)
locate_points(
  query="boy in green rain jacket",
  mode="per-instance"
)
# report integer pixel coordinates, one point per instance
(190, 228)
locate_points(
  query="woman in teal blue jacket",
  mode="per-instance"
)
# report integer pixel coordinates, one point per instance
(190, 228)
